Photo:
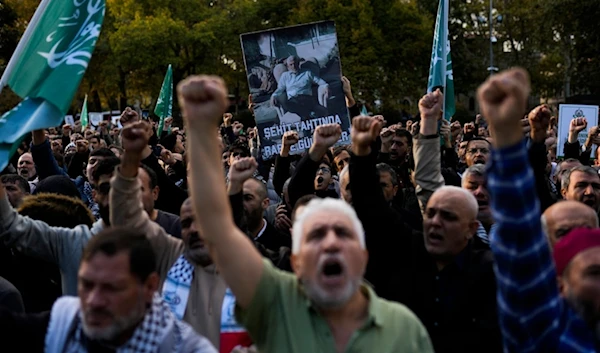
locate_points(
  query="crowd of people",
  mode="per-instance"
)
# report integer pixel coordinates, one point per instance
(422, 236)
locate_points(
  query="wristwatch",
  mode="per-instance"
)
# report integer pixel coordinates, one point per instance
(427, 137)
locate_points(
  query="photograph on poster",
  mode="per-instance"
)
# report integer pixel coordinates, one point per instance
(294, 75)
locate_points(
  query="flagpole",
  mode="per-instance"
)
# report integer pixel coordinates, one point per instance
(445, 51)
(35, 19)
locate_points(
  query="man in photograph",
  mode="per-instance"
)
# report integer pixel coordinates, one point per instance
(298, 88)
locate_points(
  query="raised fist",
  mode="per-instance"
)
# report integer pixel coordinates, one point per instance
(445, 130)
(503, 99)
(168, 122)
(326, 135)
(386, 134)
(469, 128)
(364, 131)
(66, 129)
(478, 119)
(135, 137)
(242, 169)
(129, 116)
(227, 118)
(346, 86)
(578, 125)
(414, 128)
(455, 129)
(237, 127)
(82, 146)
(289, 138)
(203, 101)
(430, 106)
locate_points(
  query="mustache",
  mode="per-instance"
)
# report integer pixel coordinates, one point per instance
(328, 258)
(99, 312)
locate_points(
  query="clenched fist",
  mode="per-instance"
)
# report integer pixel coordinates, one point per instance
(430, 105)
(129, 116)
(241, 170)
(364, 131)
(539, 120)
(135, 137)
(327, 135)
(203, 101)
(503, 101)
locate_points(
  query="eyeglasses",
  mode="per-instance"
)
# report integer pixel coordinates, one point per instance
(239, 154)
(325, 170)
(475, 150)
(103, 188)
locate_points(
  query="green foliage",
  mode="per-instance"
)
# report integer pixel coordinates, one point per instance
(385, 45)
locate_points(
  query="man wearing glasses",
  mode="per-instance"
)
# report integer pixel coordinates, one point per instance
(477, 151)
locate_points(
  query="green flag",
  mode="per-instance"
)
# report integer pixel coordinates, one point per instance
(47, 66)
(440, 69)
(164, 104)
(84, 113)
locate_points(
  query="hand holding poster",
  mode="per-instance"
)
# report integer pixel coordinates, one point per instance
(569, 112)
(295, 81)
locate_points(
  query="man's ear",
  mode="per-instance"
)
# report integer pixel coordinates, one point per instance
(562, 286)
(563, 192)
(151, 286)
(155, 192)
(395, 189)
(94, 194)
(265, 203)
(473, 226)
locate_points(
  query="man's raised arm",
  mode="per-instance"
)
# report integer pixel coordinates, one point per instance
(203, 100)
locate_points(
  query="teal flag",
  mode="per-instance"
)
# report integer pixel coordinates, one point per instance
(440, 69)
(164, 104)
(363, 110)
(84, 114)
(47, 66)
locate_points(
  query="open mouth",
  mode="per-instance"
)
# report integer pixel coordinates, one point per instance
(332, 273)
(435, 238)
(483, 205)
(590, 202)
(479, 161)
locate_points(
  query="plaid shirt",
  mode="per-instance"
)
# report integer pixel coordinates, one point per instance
(533, 316)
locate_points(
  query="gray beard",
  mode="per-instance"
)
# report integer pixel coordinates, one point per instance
(586, 311)
(323, 300)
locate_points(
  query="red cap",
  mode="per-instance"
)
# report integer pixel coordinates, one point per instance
(569, 246)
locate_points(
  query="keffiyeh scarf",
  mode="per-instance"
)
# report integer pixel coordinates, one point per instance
(146, 338)
(176, 289)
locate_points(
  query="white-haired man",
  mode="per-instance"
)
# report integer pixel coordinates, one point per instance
(325, 300)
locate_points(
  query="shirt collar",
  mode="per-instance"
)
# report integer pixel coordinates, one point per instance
(262, 230)
(375, 310)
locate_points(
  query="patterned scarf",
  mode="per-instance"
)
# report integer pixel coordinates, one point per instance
(146, 338)
(176, 289)
(89, 200)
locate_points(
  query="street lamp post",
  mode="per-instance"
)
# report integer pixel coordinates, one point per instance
(492, 68)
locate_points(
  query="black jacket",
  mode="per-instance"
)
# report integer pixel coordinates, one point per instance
(458, 304)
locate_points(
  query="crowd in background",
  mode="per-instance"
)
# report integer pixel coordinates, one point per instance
(428, 235)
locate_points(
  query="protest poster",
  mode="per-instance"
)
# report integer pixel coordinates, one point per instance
(295, 80)
(568, 112)
(69, 119)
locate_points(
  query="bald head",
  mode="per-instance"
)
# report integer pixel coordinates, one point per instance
(560, 218)
(465, 201)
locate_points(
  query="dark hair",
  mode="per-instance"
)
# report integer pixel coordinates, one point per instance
(237, 145)
(331, 168)
(102, 152)
(105, 166)
(113, 240)
(476, 139)
(385, 168)
(338, 150)
(94, 137)
(21, 182)
(151, 174)
(404, 133)
(303, 201)
(264, 192)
